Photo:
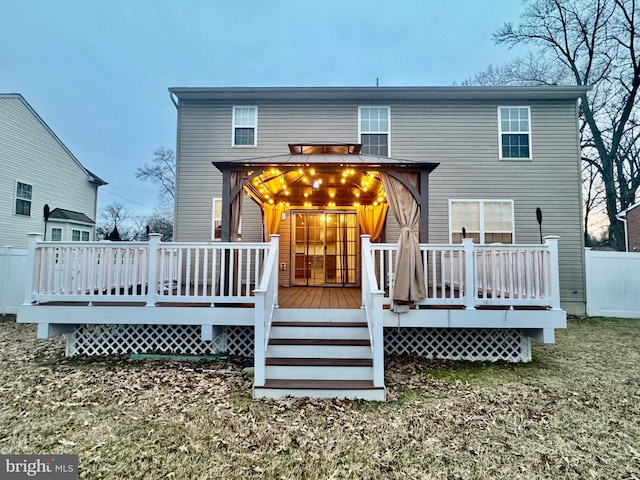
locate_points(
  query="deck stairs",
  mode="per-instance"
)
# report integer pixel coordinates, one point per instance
(319, 353)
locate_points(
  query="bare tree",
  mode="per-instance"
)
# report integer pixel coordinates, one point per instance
(162, 172)
(114, 216)
(595, 43)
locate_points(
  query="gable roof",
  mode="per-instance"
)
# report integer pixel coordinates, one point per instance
(92, 177)
(70, 216)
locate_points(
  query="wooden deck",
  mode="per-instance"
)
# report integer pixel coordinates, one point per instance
(319, 297)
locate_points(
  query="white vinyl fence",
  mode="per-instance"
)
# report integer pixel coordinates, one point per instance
(13, 265)
(613, 283)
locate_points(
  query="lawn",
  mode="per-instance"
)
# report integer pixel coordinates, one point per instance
(574, 412)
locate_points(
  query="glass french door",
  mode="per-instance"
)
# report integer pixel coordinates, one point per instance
(325, 248)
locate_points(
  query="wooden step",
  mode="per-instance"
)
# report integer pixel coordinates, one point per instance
(318, 324)
(320, 362)
(319, 384)
(319, 341)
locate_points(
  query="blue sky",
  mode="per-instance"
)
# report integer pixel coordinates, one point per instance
(98, 71)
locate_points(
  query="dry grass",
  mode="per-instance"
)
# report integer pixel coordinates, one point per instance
(574, 412)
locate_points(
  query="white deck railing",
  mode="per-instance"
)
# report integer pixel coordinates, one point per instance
(149, 272)
(472, 275)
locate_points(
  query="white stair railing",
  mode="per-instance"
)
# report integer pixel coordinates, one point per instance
(372, 297)
(266, 300)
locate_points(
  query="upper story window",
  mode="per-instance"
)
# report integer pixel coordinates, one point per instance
(515, 132)
(486, 221)
(245, 126)
(375, 130)
(23, 198)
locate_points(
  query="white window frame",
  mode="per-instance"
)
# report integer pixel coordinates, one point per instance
(81, 232)
(16, 198)
(215, 219)
(59, 230)
(481, 202)
(254, 126)
(376, 132)
(519, 132)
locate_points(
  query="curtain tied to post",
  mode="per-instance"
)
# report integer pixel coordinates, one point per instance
(408, 282)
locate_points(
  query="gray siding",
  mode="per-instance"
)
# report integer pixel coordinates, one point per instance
(460, 135)
(29, 153)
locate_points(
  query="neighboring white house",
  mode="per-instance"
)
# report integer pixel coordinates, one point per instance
(36, 169)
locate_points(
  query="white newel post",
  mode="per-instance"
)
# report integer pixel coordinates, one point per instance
(34, 238)
(552, 243)
(366, 250)
(378, 339)
(152, 289)
(469, 285)
(259, 356)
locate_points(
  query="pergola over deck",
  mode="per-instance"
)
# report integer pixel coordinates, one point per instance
(318, 175)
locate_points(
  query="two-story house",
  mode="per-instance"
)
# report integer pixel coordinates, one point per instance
(501, 153)
(38, 170)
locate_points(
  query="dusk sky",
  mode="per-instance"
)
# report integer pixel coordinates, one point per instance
(98, 71)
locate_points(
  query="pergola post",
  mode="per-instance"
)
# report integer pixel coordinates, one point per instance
(424, 206)
(225, 231)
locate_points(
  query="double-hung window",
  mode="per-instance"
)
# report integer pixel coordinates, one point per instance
(79, 235)
(375, 130)
(56, 234)
(245, 126)
(515, 132)
(23, 198)
(485, 221)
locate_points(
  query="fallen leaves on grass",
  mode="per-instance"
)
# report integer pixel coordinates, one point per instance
(572, 413)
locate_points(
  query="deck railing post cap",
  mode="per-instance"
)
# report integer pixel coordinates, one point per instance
(34, 234)
(552, 237)
(365, 235)
(155, 235)
(467, 240)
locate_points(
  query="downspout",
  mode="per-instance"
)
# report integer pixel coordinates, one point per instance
(623, 218)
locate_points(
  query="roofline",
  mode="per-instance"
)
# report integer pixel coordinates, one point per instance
(340, 159)
(623, 213)
(74, 222)
(378, 94)
(93, 178)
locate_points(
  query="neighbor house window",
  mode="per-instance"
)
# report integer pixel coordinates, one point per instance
(374, 130)
(216, 219)
(515, 132)
(79, 235)
(485, 221)
(56, 234)
(245, 126)
(23, 198)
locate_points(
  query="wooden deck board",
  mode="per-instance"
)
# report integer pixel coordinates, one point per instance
(319, 297)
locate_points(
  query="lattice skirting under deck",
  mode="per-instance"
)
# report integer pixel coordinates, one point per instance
(451, 344)
(159, 339)
(472, 344)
